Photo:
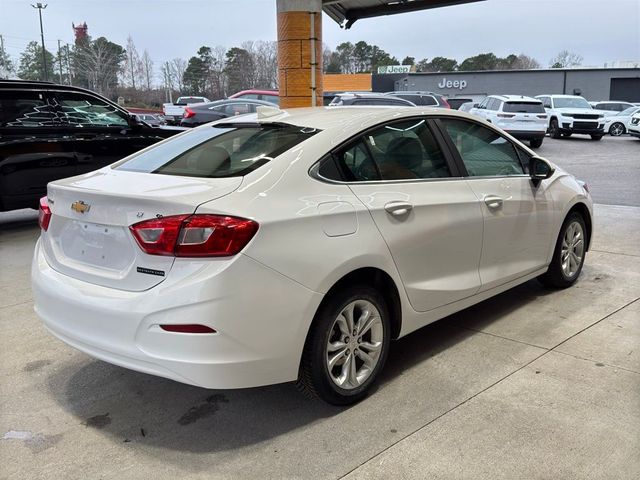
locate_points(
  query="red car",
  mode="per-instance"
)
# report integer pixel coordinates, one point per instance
(268, 95)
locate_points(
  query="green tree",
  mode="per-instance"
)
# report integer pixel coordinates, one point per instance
(238, 68)
(31, 67)
(197, 72)
(437, 64)
(409, 61)
(6, 64)
(483, 61)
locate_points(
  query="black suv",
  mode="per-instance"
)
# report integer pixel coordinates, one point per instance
(50, 131)
(426, 99)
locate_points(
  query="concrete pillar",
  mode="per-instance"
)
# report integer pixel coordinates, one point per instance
(299, 38)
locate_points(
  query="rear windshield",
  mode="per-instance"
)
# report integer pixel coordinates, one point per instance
(187, 100)
(523, 107)
(215, 152)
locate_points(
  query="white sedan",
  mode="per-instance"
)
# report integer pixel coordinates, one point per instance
(618, 123)
(295, 245)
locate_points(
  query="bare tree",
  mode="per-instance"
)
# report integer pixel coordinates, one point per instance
(264, 55)
(525, 62)
(566, 59)
(147, 66)
(133, 69)
(99, 61)
(178, 66)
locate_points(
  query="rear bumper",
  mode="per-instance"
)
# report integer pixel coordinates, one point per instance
(259, 340)
(526, 134)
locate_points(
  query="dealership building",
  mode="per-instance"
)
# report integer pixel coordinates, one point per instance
(594, 84)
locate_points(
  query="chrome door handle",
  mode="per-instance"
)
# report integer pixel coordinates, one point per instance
(493, 201)
(398, 209)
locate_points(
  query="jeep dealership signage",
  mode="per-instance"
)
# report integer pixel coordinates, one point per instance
(395, 69)
(458, 84)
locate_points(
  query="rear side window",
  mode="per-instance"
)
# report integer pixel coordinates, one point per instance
(483, 151)
(25, 110)
(81, 110)
(399, 151)
(428, 100)
(216, 152)
(523, 107)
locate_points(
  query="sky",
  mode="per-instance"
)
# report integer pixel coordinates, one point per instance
(599, 30)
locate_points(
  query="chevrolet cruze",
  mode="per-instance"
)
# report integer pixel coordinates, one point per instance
(295, 245)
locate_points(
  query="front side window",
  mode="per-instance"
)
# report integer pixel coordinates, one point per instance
(81, 110)
(25, 110)
(400, 151)
(483, 151)
(216, 152)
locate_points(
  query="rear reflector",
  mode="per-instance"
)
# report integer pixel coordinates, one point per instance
(188, 328)
(541, 116)
(194, 235)
(44, 214)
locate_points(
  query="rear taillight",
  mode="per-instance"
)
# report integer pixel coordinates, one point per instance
(188, 113)
(194, 235)
(541, 116)
(44, 214)
(506, 115)
(445, 104)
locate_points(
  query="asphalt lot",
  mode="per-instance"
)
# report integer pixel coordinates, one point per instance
(531, 384)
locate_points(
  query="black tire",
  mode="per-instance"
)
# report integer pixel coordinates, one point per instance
(617, 129)
(567, 134)
(554, 129)
(596, 137)
(555, 277)
(535, 142)
(314, 378)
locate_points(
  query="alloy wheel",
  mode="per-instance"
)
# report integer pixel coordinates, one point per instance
(354, 345)
(572, 249)
(616, 129)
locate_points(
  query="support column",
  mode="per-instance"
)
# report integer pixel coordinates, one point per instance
(300, 52)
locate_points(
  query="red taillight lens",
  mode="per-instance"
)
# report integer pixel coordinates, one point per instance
(446, 104)
(188, 328)
(506, 115)
(44, 214)
(188, 113)
(194, 235)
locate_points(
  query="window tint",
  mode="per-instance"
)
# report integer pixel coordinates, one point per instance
(428, 100)
(494, 104)
(483, 151)
(80, 110)
(546, 102)
(523, 107)
(218, 151)
(250, 96)
(272, 99)
(25, 109)
(400, 151)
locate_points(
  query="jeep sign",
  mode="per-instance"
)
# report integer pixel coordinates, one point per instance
(395, 69)
(459, 84)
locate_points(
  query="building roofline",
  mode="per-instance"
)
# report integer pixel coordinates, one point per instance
(537, 70)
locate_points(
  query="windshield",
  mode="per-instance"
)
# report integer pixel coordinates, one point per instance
(571, 102)
(223, 151)
(629, 111)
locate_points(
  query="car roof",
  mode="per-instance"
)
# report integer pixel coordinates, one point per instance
(411, 92)
(515, 98)
(257, 91)
(559, 96)
(232, 101)
(615, 101)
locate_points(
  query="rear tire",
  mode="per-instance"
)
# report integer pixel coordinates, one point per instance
(535, 142)
(596, 137)
(568, 257)
(343, 356)
(554, 129)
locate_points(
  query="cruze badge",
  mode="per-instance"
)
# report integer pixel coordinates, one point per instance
(80, 207)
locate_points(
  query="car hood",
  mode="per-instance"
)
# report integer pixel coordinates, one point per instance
(588, 111)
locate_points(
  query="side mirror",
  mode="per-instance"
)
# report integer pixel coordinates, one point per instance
(540, 169)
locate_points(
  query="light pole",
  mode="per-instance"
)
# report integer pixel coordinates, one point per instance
(41, 7)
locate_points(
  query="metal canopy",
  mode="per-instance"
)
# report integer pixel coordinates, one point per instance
(346, 12)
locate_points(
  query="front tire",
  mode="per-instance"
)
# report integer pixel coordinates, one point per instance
(347, 346)
(568, 257)
(597, 138)
(535, 142)
(617, 129)
(554, 129)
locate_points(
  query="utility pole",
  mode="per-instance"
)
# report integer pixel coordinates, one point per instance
(41, 7)
(60, 62)
(68, 63)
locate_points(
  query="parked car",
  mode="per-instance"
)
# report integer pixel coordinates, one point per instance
(618, 124)
(173, 111)
(150, 119)
(466, 107)
(520, 116)
(50, 131)
(569, 114)
(272, 96)
(426, 99)
(457, 102)
(195, 115)
(634, 125)
(295, 246)
(369, 98)
(612, 107)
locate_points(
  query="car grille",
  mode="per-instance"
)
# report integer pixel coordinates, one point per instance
(585, 125)
(585, 116)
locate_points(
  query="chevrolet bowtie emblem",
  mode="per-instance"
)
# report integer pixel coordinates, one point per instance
(80, 207)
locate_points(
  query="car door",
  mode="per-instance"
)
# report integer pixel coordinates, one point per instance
(427, 214)
(101, 132)
(34, 148)
(518, 213)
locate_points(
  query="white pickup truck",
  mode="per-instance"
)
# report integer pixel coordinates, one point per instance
(173, 111)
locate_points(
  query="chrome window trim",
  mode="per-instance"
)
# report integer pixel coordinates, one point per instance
(314, 173)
